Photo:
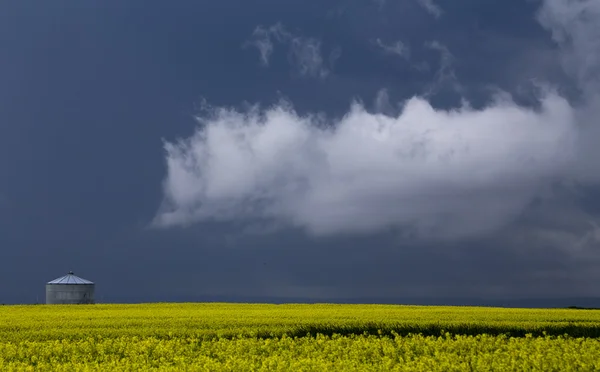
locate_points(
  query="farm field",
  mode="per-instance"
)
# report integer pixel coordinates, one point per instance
(239, 337)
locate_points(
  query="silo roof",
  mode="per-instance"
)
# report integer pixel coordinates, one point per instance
(70, 278)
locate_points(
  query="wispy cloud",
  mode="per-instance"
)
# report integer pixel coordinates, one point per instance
(431, 7)
(304, 53)
(306, 57)
(445, 74)
(263, 37)
(382, 102)
(334, 56)
(397, 48)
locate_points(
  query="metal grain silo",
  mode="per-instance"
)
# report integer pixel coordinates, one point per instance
(70, 289)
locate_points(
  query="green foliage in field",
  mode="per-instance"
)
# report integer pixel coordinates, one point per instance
(240, 337)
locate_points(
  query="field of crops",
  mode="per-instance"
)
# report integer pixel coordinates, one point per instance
(240, 337)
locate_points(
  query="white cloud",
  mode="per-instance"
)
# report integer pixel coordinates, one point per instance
(442, 174)
(431, 7)
(304, 53)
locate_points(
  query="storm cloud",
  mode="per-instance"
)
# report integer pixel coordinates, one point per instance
(430, 173)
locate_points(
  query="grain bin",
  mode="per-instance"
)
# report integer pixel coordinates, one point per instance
(70, 289)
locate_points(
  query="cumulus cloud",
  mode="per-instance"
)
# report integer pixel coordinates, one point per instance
(431, 7)
(423, 172)
(304, 53)
(438, 174)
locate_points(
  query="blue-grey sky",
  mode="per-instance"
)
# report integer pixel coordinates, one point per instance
(319, 150)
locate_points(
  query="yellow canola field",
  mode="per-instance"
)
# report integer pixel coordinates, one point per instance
(321, 353)
(250, 337)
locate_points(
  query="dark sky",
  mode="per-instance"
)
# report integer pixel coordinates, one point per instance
(322, 150)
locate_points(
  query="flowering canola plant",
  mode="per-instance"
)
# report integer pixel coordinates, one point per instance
(254, 337)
